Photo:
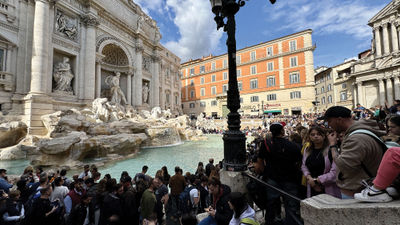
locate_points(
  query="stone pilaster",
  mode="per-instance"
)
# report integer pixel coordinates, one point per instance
(385, 35)
(389, 90)
(359, 93)
(395, 39)
(90, 22)
(129, 87)
(396, 86)
(139, 75)
(381, 91)
(378, 49)
(156, 81)
(98, 79)
(41, 47)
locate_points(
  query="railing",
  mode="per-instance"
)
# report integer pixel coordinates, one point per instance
(288, 213)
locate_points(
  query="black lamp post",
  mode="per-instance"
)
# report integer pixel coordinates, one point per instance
(234, 139)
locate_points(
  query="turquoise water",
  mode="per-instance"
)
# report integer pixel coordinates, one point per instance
(186, 156)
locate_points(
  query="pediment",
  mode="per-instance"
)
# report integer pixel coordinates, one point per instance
(388, 10)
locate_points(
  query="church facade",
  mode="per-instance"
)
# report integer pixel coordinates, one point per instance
(57, 55)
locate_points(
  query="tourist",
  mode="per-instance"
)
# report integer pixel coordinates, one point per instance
(242, 212)
(74, 197)
(177, 184)
(162, 198)
(282, 160)
(142, 175)
(4, 185)
(111, 209)
(86, 173)
(209, 167)
(200, 170)
(59, 192)
(219, 212)
(14, 211)
(148, 201)
(203, 189)
(318, 166)
(166, 175)
(130, 209)
(360, 153)
(42, 210)
(80, 213)
(194, 194)
(63, 175)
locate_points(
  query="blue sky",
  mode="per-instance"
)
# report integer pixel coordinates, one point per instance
(340, 29)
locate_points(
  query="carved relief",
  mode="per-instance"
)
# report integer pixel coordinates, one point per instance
(146, 63)
(66, 26)
(90, 20)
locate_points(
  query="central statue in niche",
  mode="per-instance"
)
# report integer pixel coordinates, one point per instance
(63, 76)
(117, 96)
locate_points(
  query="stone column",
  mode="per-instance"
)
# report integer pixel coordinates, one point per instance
(385, 35)
(156, 81)
(395, 39)
(396, 86)
(359, 93)
(90, 22)
(129, 87)
(389, 90)
(378, 49)
(41, 47)
(354, 98)
(139, 75)
(98, 77)
(381, 91)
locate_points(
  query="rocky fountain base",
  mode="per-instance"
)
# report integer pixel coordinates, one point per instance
(107, 131)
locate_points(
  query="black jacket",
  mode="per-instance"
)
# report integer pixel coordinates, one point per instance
(224, 213)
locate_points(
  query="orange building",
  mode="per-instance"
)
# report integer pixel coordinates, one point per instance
(274, 77)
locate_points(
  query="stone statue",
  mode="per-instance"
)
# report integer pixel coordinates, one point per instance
(63, 76)
(117, 96)
(140, 22)
(63, 26)
(145, 93)
(146, 63)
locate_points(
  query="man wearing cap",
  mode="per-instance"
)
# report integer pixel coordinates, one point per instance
(279, 161)
(359, 155)
(4, 185)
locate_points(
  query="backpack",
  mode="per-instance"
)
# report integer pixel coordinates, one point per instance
(249, 221)
(185, 205)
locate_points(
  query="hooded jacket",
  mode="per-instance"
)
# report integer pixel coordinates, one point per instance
(356, 150)
(248, 213)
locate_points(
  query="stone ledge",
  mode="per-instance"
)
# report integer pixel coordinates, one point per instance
(325, 209)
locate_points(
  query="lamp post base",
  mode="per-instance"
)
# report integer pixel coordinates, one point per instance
(234, 150)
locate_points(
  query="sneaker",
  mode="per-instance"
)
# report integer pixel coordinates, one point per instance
(370, 195)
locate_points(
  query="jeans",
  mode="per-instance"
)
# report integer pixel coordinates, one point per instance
(292, 206)
(208, 221)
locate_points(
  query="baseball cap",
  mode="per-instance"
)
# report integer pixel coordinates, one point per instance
(336, 112)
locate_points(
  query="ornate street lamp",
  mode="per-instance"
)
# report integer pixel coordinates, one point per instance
(234, 139)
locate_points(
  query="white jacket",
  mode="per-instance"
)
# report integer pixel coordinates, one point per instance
(248, 213)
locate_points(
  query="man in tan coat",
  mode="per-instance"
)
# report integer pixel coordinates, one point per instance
(359, 155)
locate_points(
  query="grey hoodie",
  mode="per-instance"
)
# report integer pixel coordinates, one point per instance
(355, 150)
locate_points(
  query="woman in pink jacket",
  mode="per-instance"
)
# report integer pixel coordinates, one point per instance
(318, 166)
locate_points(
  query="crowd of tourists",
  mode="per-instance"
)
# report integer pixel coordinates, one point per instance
(340, 153)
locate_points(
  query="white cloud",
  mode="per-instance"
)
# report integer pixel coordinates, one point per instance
(326, 17)
(146, 5)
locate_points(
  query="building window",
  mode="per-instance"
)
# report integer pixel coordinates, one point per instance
(316, 91)
(213, 77)
(343, 96)
(253, 84)
(293, 61)
(271, 97)
(202, 69)
(213, 66)
(254, 98)
(329, 99)
(329, 76)
(253, 56)
(238, 59)
(224, 88)
(270, 66)
(240, 86)
(192, 94)
(202, 104)
(239, 73)
(323, 101)
(202, 80)
(322, 89)
(344, 86)
(295, 94)
(202, 91)
(294, 78)
(253, 69)
(269, 51)
(191, 105)
(225, 63)
(213, 103)
(271, 81)
(191, 82)
(192, 71)
(329, 88)
(292, 45)
(225, 76)
(213, 90)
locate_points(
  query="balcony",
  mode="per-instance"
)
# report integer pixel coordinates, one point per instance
(6, 79)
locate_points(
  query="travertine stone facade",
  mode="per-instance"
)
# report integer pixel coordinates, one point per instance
(57, 55)
(376, 77)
